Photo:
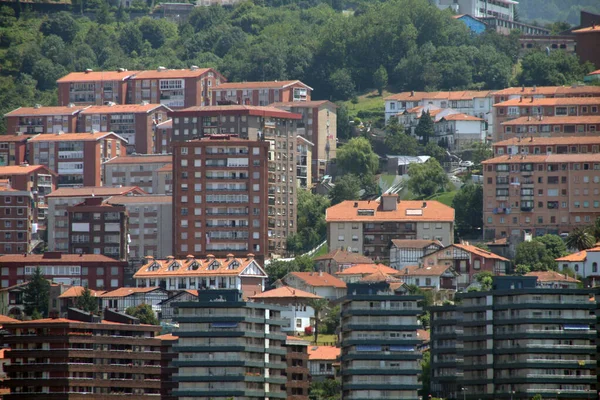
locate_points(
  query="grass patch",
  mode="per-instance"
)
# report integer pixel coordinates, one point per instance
(387, 180)
(444, 198)
(324, 340)
(370, 102)
(322, 251)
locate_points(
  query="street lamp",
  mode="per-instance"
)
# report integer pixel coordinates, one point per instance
(464, 390)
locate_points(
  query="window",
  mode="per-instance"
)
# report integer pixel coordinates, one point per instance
(341, 238)
(595, 267)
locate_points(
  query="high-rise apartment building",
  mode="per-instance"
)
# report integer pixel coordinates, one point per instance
(38, 119)
(379, 359)
(298, 378)
(273, 126)
(13, 149)
(260, 93)
(229, 348)
(518, 340)
(220, 196)
(16, 219)
(94, 87)
(136, 170)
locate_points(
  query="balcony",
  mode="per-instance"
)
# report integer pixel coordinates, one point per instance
(527, 208)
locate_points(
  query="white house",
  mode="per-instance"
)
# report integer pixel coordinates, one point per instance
(460, 130)
(123, 298)
(584, 263)
(429, 276)
(360, 271)
(405, 252)
(553, 280)
(299, 313)
(319, 283)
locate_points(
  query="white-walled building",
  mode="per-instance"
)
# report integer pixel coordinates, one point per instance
(460, 130)
(123, 298)
(583, 263)
(405, 252)
(504, 9)
(430, 276)
(321, 360)
(319, 283)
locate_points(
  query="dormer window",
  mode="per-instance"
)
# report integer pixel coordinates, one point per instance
(233, 265)
(214, 265)
(193, 267)
(174, 267)
(153, 267)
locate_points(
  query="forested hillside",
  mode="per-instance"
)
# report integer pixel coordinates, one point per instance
(545, 11)
(417, 45)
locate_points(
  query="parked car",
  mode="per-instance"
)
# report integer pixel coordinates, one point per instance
(466, 164)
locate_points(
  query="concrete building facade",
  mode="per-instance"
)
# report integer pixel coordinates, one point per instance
(135, 170)
(94, 87)
(260, 93)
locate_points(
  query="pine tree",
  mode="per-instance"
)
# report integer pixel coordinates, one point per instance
(425, 128)
(87, 302)
(36, 293)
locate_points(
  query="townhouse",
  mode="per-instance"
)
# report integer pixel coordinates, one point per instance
(460, 131)
(405, 252)
(319, 283)
(38, 119)
(17, 226)
(539, 194)
(94, 87)
(68, 299)
(174, 88)
(76, 157)
(258, 125)
(61, 199)
(93, 270)
(552, 126)
(360, 271)
(190, 273)
(368, 227)
(13, 149)
(124, 297)
(260, 93)
(338, 260)
(150, 216)
(133, 122)
(135, 170)
(436, 277)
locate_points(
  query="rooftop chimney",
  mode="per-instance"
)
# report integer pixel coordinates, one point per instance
(87, 71)
(531, 101)
(520, 99)
(389, 202)
(356, 204)
(229, 257)
(250, 256)
(424, 204)
(412, 93)
(210, 257)
(194, 67)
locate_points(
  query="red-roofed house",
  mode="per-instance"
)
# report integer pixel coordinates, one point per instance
(553, 279)
(94, 87)
(123, 298)
(338, 260)
(69, 298)
(429, 276)
(167, 307)
(260, 93)
(38, 119)
(584, 263)
(467, 260)
(298, 314)
(319, 283)
(359, 271)
(460, 130)
(321, 360)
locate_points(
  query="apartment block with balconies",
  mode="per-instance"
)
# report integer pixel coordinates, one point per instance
(16, 220)
(136, 170)
(547, 145)
(13, 149)
(260, 93)
(230, 348)
(446, 362)
(94, 87)
(379, 359)
(539, 194)
(38, 119)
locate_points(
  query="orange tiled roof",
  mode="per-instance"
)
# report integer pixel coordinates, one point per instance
(166, 168)
(4, 319)
(579, 256)
(330, 353)
(414, 243)
(453, 95)
(45, 111)
(15, 138)
(196, 267)
(549, 141)
(77, 291)
(367, 269)
(566, 158)
(548, 90)
(379, 276)
(517, 159)
(589, 29)
(168, 336)
(258, 85)
(92, 191)
(552, 276)
(141, 159)
(550, 101)
(123, 108)
(428, 270)
(48, 321)
(127, 291)
(95, 76)
(480, 252)
(296, 341)
(461, 117)
(141, 199)
(172, 73)
(406, 210)
(74, 137)
(553, 120)
(345, 257)
(241, 109)
(423, 335)
(24, 169)
(285, 292)
(63, 259)
(596, 72)
(303, 104)
(319, 279)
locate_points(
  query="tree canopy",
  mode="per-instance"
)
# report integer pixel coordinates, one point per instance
(468, 208)
(277, 269)
(144, 313)
(86, 301)
(311, 226)
(539, 253)
(357, 157)
(346, 187)
(36, 293)
(426, 179)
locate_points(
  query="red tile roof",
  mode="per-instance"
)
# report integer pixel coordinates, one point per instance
(63, 258)
(24, 169)
(461, 117)
(141, 159)
(551, 101)
(141, 199)
(166, 168)
(167, 337)
(367, 269)
(173, 73)
(553, 120)
(345, 257)
(95, 76)
(406, 210)
(596, 72)
(423, 335)
(575, 257)
(126, 291)
(303, 104)
(549, 141)
(77, 291)
(589, 29)
(267, 111)
(45, 111)
(330, 353)
(196, 267)
(379, 276)
(414, 243)
(90, 191)
(454, 95)
(285, 292)
(516, 159)
(319, 279)
(4, 319)
(428, 270)
(74, 137)
(15, 138)
(123, 108)
(548, 91)
(552, 276)
(479, 252)
(258, 85)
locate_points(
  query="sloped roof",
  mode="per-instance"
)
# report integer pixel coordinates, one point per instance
(406, 210)
(172, 73)
(549, 141)
(345, 257)
(141, 159)
(304, 104)
(239, 109)
(94, 76)
(414, 243)
(15, 138)
(192, 266)
(4, 320)
(554, 120)
(126, 291)
(589, 29)
(549, 90)
(319, 279)
(461, 117)
(259, 85)
(552, 276)
(480, 252)
(141, 199)
(380, 276)
(574, 257)
(424, 335)
(74, 137)
(24, 169)
(45, 111)
(367, 269)
(167, 337)
(428, 270)
(550, 101)
(63, 258)
(91, 191)
(76, 291)
(285, 292)
(330, 353)
(123, 108)
(453, 95)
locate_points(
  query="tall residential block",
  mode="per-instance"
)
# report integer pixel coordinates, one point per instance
(94, 87)
(379, 357)
(38, 119)
(260, 93)
(136, 170)
(13, 149)
(229, 348)
(17, 230)
(276, 127)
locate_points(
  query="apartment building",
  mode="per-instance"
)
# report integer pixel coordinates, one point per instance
(98, 228)
(136, 170)
(38, 180)
(304, 162)
(379, 322)
(174, 88)
(83, 356)
(133, 122)
(150, 222)
(190, 273)
(230, 348)
(260, 93)
(168, 355)
(162, 137)
(587, 43)
(539, 92)
(298, 378)
(38, 119)
(551, 126)
(94, 87)
(534, 108)
(76, 157)
(539, 194)
(533, 145)
(13, 149)
(276, 127)
(319, 127)
(231, 175)
(504, 9)
(162, 180)
(517, 340)
(93, 270)
(17, 226)
(60, 200)
(368, 227)
(406, 252)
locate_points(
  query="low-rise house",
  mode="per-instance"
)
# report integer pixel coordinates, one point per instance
(554, 280)
(338, 260)
(123, 298)
(593, 76)
(299, 314)
(167, 307)
(459, 131)
(11, 299)
(319, 283)
(429, 276)
(321, 360)
(68, 299)
(404, 252)
(425, 336)
(583, 263)
(359, 271)
(467, 261)
(241, 273)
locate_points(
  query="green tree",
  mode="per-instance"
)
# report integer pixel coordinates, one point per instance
(343, 126)
(534, 255)
(595, 229)
(87, 302)
(36, 315)
(152, 32)
(36, 293)
(328, 389)
(130, 38)
(397, 141)
(426, 179)
(357, 157)
(346, 188)
(432, 149)
(311, 227)
(61, 24)
(277, 269)
(468, 208)
(332, 320)
(425, 377)
(481, 151)
(580, 239)
(380, 79)
(144, 313)
(320, 307)
(484, 278)
(557, 68)
(342, 85)
(424, 129)
(537, 397)
(555, 246)
(522, 269)
(103, 14)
